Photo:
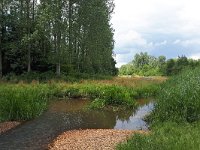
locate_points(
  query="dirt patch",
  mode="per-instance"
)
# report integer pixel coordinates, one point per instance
(5, 126)
(91, 139)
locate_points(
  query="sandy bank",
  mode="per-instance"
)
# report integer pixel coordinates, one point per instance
(91, 139)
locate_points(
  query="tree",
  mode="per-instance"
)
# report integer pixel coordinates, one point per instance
(145, 65)
(170, 66)
(70, 36)
(1, 24)
(141, 59)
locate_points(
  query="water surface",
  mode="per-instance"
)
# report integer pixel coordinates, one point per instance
(64, 115)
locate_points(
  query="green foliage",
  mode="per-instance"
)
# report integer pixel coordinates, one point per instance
(146, 91)
(147, 65)
(127, 69)
(47, 76)
(176, 66)
(144, 65)
(166, 136)
(175, 121)
(179, 98)
(56, 36)
(26, 101)
(97, 104)
(23, 102)
(109, 95)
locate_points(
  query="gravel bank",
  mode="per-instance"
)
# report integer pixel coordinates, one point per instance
(5, 126)
(91, 139)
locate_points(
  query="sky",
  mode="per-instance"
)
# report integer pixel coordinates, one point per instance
(159, 27)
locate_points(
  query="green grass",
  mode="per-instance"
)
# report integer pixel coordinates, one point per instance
(24, 101)
(175, 121)
(110, 95)
(166, 136)
(179, 99)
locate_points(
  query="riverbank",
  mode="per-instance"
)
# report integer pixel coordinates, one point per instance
(5, 126)
(24, 101)
(175, 121)
(92, 139)
(54, 108)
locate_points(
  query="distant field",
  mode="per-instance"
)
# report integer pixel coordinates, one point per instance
(129, 81)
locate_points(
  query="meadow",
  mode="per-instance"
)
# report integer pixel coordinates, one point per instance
(175, 121)
(25, 101)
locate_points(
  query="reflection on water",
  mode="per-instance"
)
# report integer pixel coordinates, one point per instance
(135, 121)
(66, 115)
(100, 119)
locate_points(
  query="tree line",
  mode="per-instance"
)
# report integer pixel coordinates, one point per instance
(63, 36)
(144, 64)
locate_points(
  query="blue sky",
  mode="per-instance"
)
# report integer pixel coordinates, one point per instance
(159, 27)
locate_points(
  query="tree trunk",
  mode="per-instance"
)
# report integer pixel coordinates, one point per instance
(29, 58)
(1, 66)
(70, 32)
(28, 33)
(33, 10)
(58, 53)
(58, 69)
(58, 41)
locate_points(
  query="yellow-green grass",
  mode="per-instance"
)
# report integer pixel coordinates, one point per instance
(25, 101)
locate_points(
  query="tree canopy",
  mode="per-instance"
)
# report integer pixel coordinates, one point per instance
(144, 64)
(62, 36)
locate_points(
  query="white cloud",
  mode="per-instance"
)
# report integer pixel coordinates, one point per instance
(150, 25)
(131, 37)
(161, 43)
(191, 42)
(177, 41)
(188, 43)
(195, 56)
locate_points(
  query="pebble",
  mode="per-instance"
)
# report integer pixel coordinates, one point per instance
(94, 139)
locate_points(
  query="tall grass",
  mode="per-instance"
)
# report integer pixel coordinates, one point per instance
(176, 118)
(179, 99)
(167, 136)
(114, 95)
(103, 95)
(24, 101)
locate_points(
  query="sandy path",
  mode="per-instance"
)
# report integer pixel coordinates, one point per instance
(91, 139)
(5, 126)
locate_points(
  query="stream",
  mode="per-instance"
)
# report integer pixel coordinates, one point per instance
(64, 115)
